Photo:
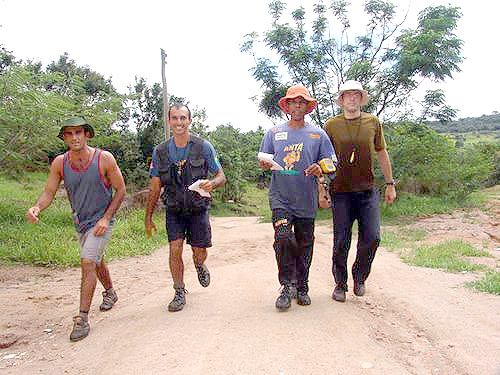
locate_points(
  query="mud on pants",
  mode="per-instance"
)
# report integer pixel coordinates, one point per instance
(293, 247)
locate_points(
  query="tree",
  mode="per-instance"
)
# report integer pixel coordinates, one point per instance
(388, 61)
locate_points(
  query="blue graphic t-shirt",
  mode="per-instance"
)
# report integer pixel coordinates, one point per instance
(295, 150)
(178, 155)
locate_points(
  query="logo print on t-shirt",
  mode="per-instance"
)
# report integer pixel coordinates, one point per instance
(292, 155)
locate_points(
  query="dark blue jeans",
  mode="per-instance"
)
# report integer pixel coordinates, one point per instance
(362, 206)
(293, 264)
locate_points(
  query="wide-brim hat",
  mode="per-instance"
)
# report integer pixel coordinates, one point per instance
(75, 121)
(294, 92)
(352, 85)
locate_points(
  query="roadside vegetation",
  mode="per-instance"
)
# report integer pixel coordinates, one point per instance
(436, 173)
(449, 256)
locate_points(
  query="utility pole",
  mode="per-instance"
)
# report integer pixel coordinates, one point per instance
(165, 93)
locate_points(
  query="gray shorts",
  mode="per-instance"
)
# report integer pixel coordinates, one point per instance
(91, 246)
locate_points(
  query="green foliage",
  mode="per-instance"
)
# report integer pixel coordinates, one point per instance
(53, 241)
(448, 256)
(227, 140)
(490, 123)
(489, 283)
(410, 206)
(33, 102)
(428, 163)
(28, 120)
(390, 63)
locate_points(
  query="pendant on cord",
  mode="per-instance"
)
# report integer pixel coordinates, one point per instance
(352, 157)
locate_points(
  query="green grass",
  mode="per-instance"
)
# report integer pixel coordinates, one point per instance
(402, 239)
(447, 256)
(410, 206)
(53, 241)
(490, 283)
(254, 203)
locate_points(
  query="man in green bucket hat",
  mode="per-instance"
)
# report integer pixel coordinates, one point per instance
(90, 175)
(76, 121)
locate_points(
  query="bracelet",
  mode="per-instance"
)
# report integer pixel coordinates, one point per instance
(393, 183)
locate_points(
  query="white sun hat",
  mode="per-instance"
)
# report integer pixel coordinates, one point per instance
(352, 85)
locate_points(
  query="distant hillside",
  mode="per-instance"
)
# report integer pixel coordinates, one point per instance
(485, 123)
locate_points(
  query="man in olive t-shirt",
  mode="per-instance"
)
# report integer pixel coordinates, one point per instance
(357, 138)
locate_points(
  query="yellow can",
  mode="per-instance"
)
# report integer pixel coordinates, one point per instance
(327, 165)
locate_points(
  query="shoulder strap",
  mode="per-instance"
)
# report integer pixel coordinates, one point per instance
(196, 149)
(162, 152)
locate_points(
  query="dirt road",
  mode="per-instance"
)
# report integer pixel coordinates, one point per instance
(411, 321)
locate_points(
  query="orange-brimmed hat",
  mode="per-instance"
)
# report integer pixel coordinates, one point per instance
(294, 92)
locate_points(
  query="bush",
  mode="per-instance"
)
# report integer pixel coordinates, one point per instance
(425, 162)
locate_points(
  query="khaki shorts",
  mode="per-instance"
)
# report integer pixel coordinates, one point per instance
(91, 246)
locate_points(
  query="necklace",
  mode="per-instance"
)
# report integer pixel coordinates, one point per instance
(78, 162)
(354, 148)
(181, 158)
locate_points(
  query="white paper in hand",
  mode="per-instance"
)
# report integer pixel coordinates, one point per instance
(195, 186)
(269, 159)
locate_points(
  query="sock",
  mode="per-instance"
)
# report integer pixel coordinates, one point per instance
(84, 315)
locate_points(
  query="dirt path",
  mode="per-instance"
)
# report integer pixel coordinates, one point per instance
(411, 321)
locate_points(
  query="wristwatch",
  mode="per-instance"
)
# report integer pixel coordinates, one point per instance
(392, 182)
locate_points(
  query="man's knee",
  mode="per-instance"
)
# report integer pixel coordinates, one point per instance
(88, 266)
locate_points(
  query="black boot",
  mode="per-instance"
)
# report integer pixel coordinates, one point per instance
(303, 298)
(339, 293)
(284, 300)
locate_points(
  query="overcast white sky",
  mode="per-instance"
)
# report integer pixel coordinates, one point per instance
(122, 39)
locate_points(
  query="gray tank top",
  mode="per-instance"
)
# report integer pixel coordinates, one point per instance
(88, 194)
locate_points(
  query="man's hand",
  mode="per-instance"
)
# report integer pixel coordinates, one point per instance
(390, 194)
(32, 214)
(101, 227)
(265, 165)
(207, 185)
(150, 228)
(314, 169)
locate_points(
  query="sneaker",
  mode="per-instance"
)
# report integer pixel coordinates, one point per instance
(339, 293)
(109, 298)
(81, 329)
(203, 275)
(284, 300)
(303, 298)
(177, 304)
(359, 289)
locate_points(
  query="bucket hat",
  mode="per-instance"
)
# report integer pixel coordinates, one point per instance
(352, 85)
(75, 121)
(294, 92)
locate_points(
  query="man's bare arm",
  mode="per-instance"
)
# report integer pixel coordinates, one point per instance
(218, 181)
(154, 194)
(385, 166)
(46, 198)
(114, 175)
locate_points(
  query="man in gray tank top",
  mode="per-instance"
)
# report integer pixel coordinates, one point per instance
(89, 175)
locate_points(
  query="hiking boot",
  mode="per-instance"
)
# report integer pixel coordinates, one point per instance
(339, 293)
(177, 304)
(109, 298)
(81, 329)
(303, 298)
(359, 289)
(284, 300)
(203, 275)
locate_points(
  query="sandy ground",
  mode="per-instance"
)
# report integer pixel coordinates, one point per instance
(411, 321)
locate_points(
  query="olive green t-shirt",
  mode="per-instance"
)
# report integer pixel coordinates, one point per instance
(356, 142)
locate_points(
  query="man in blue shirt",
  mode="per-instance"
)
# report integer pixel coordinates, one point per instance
(176, 165)
(297, 146)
